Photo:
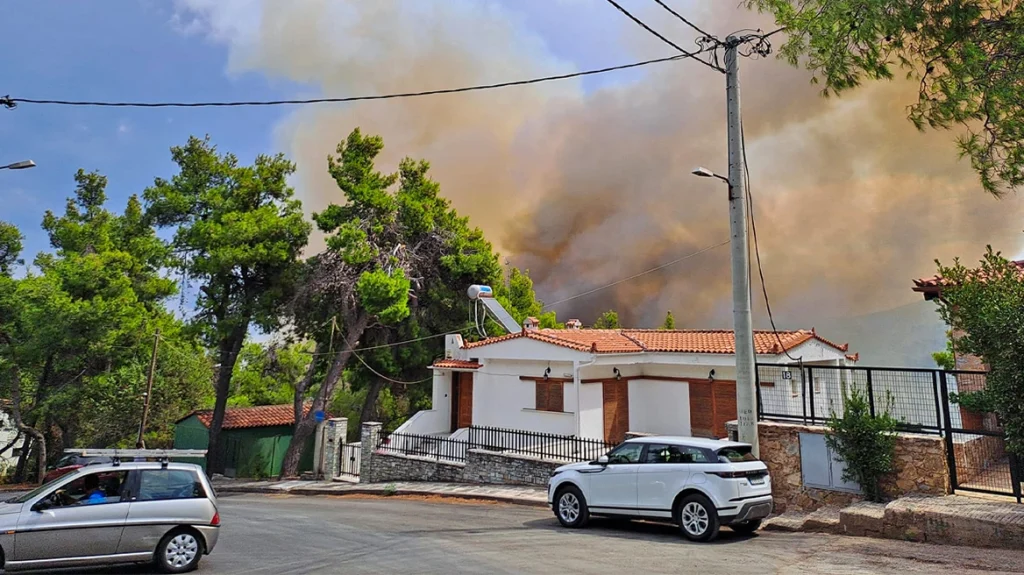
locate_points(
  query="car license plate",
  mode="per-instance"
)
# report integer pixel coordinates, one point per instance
(759, 480)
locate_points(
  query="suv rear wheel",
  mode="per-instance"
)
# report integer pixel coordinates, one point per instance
(697, 518)
(178, 552)
(571, 508)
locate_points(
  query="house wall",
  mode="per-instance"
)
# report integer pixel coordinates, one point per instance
(661, 407)
(501, 399)
(592, 410)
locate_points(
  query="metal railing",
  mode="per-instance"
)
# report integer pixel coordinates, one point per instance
(812, 394)
(546, 446)
(430, 446)
(541, 445)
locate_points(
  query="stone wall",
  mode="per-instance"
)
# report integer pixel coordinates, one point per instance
(481, 466)
(489, 467)
(920, 468)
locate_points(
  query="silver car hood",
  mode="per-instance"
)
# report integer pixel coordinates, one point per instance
(8, 508)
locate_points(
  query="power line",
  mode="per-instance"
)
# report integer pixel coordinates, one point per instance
(685, 21)
(643, 25)
(386, 378)
(395, 344)
(634, 276)
(10, 102)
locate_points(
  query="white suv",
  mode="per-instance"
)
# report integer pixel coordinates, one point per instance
(699, 484)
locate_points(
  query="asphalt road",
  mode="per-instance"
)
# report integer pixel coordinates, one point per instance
(298, 535)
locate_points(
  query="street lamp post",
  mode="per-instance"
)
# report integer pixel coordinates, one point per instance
(22, 165)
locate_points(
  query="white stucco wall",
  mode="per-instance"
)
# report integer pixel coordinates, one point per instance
(501, 399)
(661, 407)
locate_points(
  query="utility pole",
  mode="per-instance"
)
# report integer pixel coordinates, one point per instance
(140, 443)
(746, 393)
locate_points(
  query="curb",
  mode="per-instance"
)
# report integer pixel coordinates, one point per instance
(306, 492)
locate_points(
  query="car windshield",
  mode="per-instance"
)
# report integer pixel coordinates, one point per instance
(66, 461)
(736, 454)
(37, 491)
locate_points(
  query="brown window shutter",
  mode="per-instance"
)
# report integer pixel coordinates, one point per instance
(556, 396)
(542, 395)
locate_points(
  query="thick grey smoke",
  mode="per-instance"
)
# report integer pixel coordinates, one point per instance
(584, 187)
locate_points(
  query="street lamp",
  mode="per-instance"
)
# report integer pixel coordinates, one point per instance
(23, 165)
(706, 173)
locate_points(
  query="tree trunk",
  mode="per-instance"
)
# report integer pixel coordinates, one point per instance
(228, 354)
(27, 430)
(19, 470)
(369, 411)
(307, 425)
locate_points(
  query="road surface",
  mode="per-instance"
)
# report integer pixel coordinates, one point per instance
(279, 535)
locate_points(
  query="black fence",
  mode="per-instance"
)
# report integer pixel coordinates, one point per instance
(546, 446)
(430, 446)
(921, 400)
(541, 445)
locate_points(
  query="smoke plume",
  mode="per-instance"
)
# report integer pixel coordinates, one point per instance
(585, 183)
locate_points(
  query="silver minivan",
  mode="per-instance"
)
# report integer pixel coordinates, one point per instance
(129, 512)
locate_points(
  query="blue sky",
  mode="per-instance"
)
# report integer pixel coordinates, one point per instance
(136, 50)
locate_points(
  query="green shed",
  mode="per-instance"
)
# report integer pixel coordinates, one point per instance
(253, 439)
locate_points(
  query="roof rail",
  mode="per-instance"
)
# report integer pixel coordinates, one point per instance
(161, 455)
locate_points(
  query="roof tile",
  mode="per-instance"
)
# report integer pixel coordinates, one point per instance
(455, 364)
(246, 417)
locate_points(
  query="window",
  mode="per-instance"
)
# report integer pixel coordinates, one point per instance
(817, 385)
(663, 454)
(735, 455)
(92, 489)
(626, 453)
(550, 395)
(163, 484)
(794, 388)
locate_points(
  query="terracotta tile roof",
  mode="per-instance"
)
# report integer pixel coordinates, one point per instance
(455, 364)
(934, 284)
(245, 417)
(666, 341)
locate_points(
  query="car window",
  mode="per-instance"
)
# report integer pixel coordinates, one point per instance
(91, 489)
(735, 454)
(657, 453)
(66, 461)
(163, 484)
(626, 453)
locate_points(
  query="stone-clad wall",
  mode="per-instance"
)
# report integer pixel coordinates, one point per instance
(920, 468)
(480, 467)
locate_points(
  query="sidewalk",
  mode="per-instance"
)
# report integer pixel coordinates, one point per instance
(950, 520)
(513, 494)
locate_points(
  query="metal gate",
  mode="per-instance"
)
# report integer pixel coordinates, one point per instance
(976, 448)
(348, 462)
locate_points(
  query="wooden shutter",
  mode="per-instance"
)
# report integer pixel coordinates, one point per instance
(550, 396)
(542, 395)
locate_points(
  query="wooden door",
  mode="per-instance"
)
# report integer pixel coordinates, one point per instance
(725, 406)
(616, 410)
(463, 400)
(702, 409)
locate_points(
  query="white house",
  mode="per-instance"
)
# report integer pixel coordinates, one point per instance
(603, 383)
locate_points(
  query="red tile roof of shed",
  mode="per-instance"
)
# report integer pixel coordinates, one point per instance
(666, 341)
(455, 364)
(246, 417)
(934, 284)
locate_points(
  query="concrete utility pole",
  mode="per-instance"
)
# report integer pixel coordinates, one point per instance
(746, 393)
(140, 443)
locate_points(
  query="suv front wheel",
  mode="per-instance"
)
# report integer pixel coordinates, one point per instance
(571, 507)
(697, 518)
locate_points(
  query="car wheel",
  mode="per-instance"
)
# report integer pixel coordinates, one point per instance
(747, 527)
(178, 552)
(571, 508)
(697, 518)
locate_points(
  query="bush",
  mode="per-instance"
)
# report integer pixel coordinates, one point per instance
(867, 444)
(976, 401)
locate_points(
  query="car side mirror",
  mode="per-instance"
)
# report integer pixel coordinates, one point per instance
(42, 505)
(603, 460)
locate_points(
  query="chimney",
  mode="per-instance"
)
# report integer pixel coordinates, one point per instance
(573, 324)
(531, 323)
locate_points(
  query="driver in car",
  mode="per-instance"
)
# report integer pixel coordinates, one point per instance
(93, 492)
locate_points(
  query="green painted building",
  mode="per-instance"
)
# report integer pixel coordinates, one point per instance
(253, 439)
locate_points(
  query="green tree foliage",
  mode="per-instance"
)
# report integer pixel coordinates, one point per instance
(670, 321)
(607, 320)
(945, 359)
(76, 332)
(984, 303)
(965, 54)
(10, 247)
(519, 298)
(267, 375)
(238, 232)
(398, 262)
(866, 443)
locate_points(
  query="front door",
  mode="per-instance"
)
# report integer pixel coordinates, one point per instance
(613, 489)
(462, 400)
(85, 518)
(616, 410)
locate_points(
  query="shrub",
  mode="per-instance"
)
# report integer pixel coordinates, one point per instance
(867, 444)
(976, 401)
